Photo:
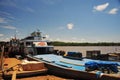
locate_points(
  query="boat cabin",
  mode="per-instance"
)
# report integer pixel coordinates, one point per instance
(39, 48)
(35, 44)
(93, 54)
(114, 56)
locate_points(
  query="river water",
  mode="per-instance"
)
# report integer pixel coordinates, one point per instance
(83, 49)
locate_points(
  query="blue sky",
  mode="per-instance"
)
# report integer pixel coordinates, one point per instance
(61, 20)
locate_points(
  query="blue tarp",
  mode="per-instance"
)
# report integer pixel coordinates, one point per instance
(70, 53)
(92, 65)
(74, 54)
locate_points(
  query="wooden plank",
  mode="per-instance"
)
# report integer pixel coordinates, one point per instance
(14, 75)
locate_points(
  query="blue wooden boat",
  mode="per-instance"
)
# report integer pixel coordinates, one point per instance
(74, 69)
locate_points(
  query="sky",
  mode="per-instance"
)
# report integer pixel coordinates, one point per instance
(61, 20)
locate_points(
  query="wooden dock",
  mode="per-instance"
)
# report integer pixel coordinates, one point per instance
(10, 62)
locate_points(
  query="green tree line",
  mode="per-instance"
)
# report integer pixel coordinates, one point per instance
(57, 43)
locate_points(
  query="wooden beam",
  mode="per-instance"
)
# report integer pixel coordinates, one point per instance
(14, 75)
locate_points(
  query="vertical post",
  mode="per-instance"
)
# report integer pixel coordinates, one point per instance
(2, 58)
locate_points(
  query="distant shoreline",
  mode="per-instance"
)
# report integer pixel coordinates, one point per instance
(56, 43)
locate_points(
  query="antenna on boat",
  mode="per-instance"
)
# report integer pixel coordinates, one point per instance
(15, 34)
(38, 30)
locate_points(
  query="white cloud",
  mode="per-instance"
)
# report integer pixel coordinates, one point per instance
(83, 40)
(113, 11)
(7, 16)
(47, 36)
(10, 3)
(2, 20)
(101, 7)
(51, 2)
(61, 27)
(16, 4)
(4, 13)
(1, 35)
(5, 39)
(70, 25)
(30, 9)
(9, 27)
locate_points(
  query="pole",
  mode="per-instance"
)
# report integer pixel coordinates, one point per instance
(2, 58)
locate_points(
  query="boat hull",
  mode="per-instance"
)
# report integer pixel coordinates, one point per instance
(69, 73)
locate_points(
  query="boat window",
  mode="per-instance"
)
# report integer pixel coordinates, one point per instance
(28, 44)
(50, 49)
(41, 50)
(44, 50)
